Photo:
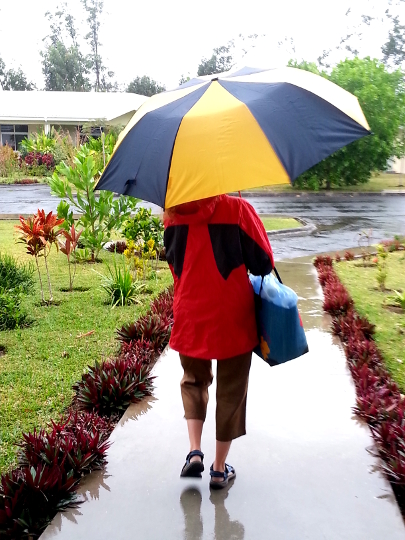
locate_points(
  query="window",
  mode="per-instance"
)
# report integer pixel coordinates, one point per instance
(85, 133)
(12, 134)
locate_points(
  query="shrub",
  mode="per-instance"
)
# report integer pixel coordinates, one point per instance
(8, 161)
(336, 298)
(117, 247)
(120, 286)
(338, 258)
(31, 496)
(26, 181)
(78, 445)
(399, 299)
(16, 275)
(151, 327)
(394, 244)
(351, 324)
(12, 315)
(349, 255)
(141, 350)
(143, 227)
(323, 260)
(38, 143)
(163, 304)
(110, 387)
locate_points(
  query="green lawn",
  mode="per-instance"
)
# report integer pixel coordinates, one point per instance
(376, 183)
(276, 223)
(390, 334)
(43, 361)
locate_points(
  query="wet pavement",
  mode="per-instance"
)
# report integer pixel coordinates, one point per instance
(339, 218)
(305, 469)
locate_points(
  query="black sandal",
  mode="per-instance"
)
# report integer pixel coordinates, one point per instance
(228, 474)
(193, 468)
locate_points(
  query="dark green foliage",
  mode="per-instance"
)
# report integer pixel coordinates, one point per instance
(381, 95)
(12, 315)
(221, 60)
(64, 66)
(394, 49)
(145, 86)
(120, 285)
(12, 79)
(144, 226)
(16, 275)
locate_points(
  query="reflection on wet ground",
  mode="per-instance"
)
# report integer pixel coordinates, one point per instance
(303, 470)
(224, 527)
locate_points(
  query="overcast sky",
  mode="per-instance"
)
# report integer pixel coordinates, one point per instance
(165, 39)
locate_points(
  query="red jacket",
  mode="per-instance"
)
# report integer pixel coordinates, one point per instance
(209, 247)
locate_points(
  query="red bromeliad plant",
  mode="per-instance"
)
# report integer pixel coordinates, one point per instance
(141, 350)
(68, 247)
(349, 255)
(78, 444)
(110, 387)
(153, 327)
(31, 496)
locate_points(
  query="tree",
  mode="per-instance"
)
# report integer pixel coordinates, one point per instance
(184, 79)
(64, 66)
(103, 82)
(381, 95)
(14, 79)
(221, 60)
(394, 49)
(307, 66)
(145, 86)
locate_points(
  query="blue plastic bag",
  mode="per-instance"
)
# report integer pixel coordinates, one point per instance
(281, 333)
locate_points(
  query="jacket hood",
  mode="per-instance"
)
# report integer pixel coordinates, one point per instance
(193, 213)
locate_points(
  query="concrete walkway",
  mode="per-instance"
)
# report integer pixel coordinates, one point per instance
(304, 470)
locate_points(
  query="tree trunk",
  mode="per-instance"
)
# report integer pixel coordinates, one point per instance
(49, 279)
(40, 280)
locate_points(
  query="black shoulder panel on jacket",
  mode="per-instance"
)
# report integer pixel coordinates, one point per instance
(255, 258)
(226, 247)
(175, 240)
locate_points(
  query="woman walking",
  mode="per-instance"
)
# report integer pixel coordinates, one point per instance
(210, 245)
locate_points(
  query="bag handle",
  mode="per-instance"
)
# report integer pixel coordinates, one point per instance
(277, 275)
(261, 284)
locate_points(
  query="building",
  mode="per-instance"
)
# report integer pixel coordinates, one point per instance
(22, 113)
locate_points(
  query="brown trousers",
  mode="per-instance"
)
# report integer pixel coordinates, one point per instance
(232, 385)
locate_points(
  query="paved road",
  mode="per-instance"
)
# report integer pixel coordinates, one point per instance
(339, 218)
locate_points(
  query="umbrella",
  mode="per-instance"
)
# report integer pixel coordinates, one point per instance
(230, 132)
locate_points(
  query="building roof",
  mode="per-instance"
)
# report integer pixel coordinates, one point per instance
(65, 107)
